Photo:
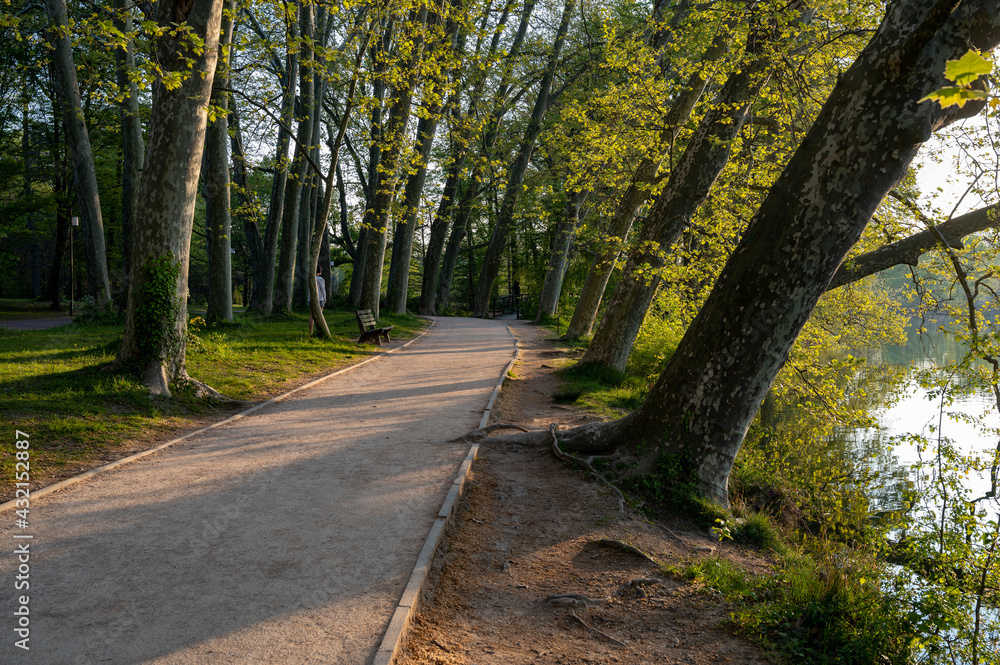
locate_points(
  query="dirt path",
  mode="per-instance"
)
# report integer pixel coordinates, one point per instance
(286, 536)
(527, 530)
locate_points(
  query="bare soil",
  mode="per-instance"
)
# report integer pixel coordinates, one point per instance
(531, 527)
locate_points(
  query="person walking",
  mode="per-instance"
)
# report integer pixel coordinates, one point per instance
(321, 290)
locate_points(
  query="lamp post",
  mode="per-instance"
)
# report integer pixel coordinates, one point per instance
(73, 223)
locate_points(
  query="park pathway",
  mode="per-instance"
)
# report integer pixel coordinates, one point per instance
(286, 536)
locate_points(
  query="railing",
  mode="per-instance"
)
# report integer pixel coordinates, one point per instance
(512, 304)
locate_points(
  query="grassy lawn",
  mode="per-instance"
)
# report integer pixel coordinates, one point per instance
(56, 385)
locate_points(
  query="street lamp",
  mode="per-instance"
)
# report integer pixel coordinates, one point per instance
(73, 223)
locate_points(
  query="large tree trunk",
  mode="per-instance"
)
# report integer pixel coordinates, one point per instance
(703, 160)
(85, 175)
(217, 210)
(565, 233)
(285, 281)
(515, 176)
(156, 317)
(859, 147)
(132, 145)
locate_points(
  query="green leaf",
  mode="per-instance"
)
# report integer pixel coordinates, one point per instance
(967, 69)
(952, 96)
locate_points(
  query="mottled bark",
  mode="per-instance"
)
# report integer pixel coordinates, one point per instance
(85, 174)
(859, 147)
(565, 233)
(217, 196)
(515, 175)
(132, 144)
(156, 317)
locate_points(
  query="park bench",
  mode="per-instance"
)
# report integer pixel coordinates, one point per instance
(371, 333)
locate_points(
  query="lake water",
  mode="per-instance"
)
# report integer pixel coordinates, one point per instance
(968, 421)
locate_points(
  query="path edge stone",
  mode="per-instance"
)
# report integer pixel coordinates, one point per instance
(62, 484)
(394, 640)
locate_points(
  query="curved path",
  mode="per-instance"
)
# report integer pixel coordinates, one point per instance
(286, 536)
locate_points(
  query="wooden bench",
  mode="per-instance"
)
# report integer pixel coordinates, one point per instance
(371, 333)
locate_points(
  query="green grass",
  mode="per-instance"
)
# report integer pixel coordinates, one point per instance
(58, 385)
(811, 609)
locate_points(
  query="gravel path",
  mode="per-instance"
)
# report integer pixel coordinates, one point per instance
(286, 536)
(35, 324)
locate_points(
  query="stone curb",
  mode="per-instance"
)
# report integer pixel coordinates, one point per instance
(62, 484)
(391, 646)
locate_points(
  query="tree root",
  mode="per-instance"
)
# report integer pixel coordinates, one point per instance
(595, 631)
(586, 463)
(637, 584)
(625, 547)
(482, 432)
(573, 600)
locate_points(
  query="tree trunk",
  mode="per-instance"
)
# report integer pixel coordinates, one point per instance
(703, 160)
(217, 210)
(275, 211)
(859, 147)
(454, 248)
(248, 211)
(589, 302)
(515, 176)
(285, 281)
(132, 144)
(385, 192)
(565, 232)
(156, 317)
(472, 188)
(85, 175)
(402, 245)
(439, 234)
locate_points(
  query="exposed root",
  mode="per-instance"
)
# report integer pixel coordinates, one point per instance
(573, 600)
(482, 432)
(637, 584)
(596, 631)
(582, 462)
(625, 547)
(203, 390)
